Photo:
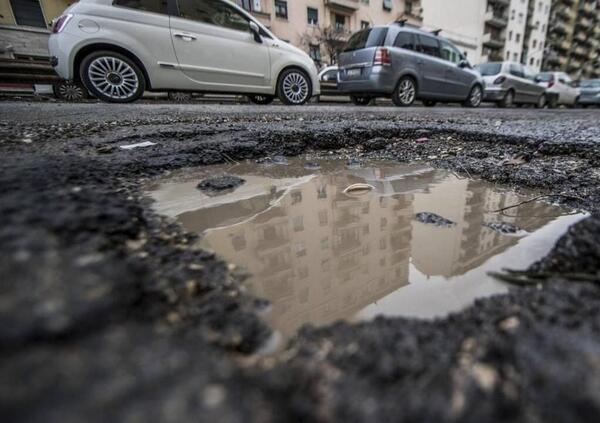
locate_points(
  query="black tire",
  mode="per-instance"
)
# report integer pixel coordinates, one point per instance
(294, 87)
(361, 100)
(70, 91)
(405, 93)
(429, 103)
(541, 103)
(508, 100)
(125, 85)
(475, 97)
(263, 100)
(553, 103)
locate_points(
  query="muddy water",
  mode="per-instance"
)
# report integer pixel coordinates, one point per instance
(320, 254)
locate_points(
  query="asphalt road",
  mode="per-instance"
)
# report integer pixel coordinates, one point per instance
(110, 312)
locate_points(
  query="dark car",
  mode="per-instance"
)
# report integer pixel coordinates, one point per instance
(406, 64)
(590, 93)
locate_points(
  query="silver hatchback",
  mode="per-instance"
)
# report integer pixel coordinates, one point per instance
(406, 64)
(511, 83)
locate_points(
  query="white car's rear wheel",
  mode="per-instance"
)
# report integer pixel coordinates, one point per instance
(294, 87)
(112, 77)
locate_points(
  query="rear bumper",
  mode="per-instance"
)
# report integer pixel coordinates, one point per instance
(493, 94)
(381, 80)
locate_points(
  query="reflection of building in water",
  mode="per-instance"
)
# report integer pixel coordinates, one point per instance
(453, 251)
(320, 255)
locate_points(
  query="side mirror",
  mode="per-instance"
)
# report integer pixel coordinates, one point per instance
(255, 30)
(464, 64)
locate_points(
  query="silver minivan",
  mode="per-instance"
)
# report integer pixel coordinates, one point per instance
(511, 83)
(406, 64)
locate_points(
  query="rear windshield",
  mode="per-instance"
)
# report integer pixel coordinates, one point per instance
(545, 77)
(594, 83)
(371, 37)
(490, 69)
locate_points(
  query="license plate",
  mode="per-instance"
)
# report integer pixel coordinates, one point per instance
(353, 72)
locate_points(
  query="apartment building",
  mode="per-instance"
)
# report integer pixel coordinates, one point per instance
(574, 38)
(311, 24)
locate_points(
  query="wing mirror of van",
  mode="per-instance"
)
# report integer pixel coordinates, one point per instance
(255, 30)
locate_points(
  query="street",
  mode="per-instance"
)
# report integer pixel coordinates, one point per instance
(114, 312)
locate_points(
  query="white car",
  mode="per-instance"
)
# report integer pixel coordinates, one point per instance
(120, 48)
(561, 86)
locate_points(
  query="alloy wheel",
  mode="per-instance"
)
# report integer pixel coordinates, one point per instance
(113, 77)
(295, 87)
(475, 98)
(70, 91)
(406, 91)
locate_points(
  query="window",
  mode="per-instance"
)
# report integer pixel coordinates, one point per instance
(509, 35)
(429, 45)
(516, 57)
(508, 55)
(405, 40)
(370, 37)
(365, 2)
(156, 6)
(516, 70)
(534, 43)
(28, 13)
(512, 15)
(364, 24)
(520, 18)
(531, 61)
(340, 22)
(518, 38)
(213, 12)
(246, 4)
(314, 51)
(313, 16)
(281, 9)
(450, 53)
(408, 7)
(387, 5)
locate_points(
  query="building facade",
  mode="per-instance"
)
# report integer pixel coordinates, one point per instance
(574, 38)
(314, 24)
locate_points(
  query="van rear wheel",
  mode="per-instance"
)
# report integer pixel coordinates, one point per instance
(112, 77)
(405, 93)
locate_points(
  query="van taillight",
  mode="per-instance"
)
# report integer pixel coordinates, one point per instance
(382, 57)
(60, 23)
(500, 80)
(551, 82)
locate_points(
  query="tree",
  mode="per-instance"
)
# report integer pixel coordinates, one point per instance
(331, 39)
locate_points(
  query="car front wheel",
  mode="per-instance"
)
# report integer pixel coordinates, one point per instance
(475, 96)
(508, 100)
(294, 87)
(112, 77)
(405, 93)
(261, 99)
(541, 103)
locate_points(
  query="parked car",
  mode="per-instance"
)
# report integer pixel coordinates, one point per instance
(511, 83)
(328, 78)
(590, 93)
(561, 85)
(406, 64)
(119, 48)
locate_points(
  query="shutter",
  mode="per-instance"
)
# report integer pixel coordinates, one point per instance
(28, 13)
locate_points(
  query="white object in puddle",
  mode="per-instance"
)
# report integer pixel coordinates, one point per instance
(139, 144)
(358, 189)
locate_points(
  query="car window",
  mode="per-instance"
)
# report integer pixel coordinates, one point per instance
(528, 74)
(156, 6)
(545, 77)
(214, 12)
(450, 53)
(330, 75)
(429, 45)
(370, 37)
(490, 69)
(516, 70)
(405, 40)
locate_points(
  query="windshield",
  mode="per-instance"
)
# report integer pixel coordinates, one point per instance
(593, 83)
(545, 77)
(371, 37)
(488, 69)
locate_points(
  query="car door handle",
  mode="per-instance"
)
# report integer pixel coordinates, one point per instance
(185, 36)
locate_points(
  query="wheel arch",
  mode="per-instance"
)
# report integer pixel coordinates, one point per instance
(411, 75)
(90, 48)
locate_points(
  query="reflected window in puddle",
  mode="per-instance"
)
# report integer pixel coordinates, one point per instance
(320, 255)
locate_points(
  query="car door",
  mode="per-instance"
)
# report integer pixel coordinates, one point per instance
(534, 91)
(431, 68)
(458, 80)
(216, 50)
(518, 79)
(570, 92)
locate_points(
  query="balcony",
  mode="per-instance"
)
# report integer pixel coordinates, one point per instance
(581, 36)
(559, 27)
(565, 13)
(587, 8)
(346, 5)
(584, 23)
(496, 19)
(499, 2)
(580, 51)
(493, 42)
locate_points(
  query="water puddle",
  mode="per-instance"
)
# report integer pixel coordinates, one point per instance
(321, 252)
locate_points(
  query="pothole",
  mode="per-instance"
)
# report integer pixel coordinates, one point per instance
(413, 241)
